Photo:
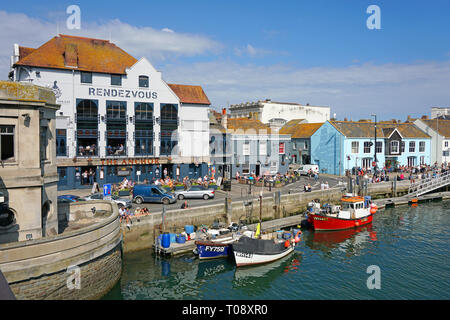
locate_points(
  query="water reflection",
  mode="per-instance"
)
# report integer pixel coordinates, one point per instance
(256, 279)
(210, 268)
(351, 242)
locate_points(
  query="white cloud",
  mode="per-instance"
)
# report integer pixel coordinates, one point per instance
(355, 92)
(251, 51)
(156, 45)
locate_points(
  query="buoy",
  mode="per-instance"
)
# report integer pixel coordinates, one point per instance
(297, 238)
(287, 243)
(415, 200)
(356, 223)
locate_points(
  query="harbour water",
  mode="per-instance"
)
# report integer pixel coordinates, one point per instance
(410, 245)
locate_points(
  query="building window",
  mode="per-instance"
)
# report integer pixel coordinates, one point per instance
(402, 146)
(411, 161)
(87, 128)
(367, 147)
(422, 146)
(394, 146)
(86, 77)
(379, 147)
(61, 142)
(422, 160)
(7, 142)
(116, 128)
(143, 81)
(246, 148)
(169, 126)
(305, 145)
(355, 146)
(116, 80)
(294, 146)
(43, 142)
(366, 162)
(281, 148)
(446, 144)
(412, 146)
(62, 174)
(445, 153)
(143, 128)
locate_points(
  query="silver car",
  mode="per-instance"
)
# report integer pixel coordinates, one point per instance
(195, 192)
(121, 202)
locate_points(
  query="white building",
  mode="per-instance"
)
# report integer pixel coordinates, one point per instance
(118, 117)
(268, 111)
(439, 130)
(440, 112)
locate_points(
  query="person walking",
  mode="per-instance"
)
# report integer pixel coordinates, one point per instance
(85, 177)
(91, 177)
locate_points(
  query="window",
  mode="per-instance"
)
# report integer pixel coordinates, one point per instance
(86, 77)
(422, 160)
(116, 80)
(411, 161)
(61, 141)
(7, 142)
(306, 145)
(116, 128)
(412, 146)
(143, 81)
(87, 128)
(116, 110)
(263, 148)
(402, 146)
(366, 162)
(394, 146)
(445, 153)
(143, 111)
(355, 146)
(246, 149)
(422, 146)
(379, 147)
(43, 142)
(281, 148)
(294, 146)
(367, 147)
(445, 144)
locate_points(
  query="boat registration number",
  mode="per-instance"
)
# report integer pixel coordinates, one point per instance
(215, 249)
(244, 255)
(363, 220)
(322, 219)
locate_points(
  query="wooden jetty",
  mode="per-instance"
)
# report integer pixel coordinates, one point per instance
(393, 202)
(175, 248)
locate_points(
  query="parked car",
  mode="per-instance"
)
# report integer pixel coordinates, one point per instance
(121, 202)
(152, 193)
(69, 198)
(195, 192)
(303, 170)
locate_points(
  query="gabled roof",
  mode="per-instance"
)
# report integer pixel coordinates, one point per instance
(300, 130)
(24, 51)
(243, 125)
(190, 94)
(441, 126)
(352, 129)
(78, 53)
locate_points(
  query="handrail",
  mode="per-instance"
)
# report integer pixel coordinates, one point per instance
(429, 184)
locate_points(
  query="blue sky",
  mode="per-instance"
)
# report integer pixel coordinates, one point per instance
(317, 52)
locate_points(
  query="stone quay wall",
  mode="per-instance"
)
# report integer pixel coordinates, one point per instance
(83, 263)
(143, 230)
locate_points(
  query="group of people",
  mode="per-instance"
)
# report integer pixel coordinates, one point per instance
(116, 150)
(89, 150)
(87, 177)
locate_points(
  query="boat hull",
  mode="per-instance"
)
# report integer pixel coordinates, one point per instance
(247, 259)
(327, 223)
(212, 250)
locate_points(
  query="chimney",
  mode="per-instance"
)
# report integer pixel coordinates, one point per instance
(345, 119)
(71, 55)
(224, 119)
(424, 118)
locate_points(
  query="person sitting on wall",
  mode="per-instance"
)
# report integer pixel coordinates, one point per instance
(123, 214)
(184, 205)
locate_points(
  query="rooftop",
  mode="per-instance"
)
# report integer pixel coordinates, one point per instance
(352, 129)
(439, 125)
(26, 92)
(77, 53)
(190, 94)
(242, 125)
(299, 130)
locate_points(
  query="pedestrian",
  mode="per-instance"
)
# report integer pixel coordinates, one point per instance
(85, 177)
(91, 177)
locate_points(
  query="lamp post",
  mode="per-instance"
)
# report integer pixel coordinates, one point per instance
(437, 137)
(375, 147)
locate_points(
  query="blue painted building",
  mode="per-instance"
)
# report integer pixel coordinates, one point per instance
(338, 146)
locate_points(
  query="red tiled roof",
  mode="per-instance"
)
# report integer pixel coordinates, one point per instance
(190, 94)
(243, 125)
(84, 54)
(24, 51)
(300, 130)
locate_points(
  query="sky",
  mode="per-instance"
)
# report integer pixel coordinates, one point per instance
(315, 51)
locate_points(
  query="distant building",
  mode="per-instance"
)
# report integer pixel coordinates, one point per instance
(440, 112)
(28, 176)
(271, 112)
(118, 117)
(255, 148)
(219, 142)
(338, 146)
(439, 130)
(299, 148)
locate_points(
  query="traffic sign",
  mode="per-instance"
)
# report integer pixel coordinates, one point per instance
(107, 191)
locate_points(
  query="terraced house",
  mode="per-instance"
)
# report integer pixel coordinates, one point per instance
(338, 146)
(118, 117)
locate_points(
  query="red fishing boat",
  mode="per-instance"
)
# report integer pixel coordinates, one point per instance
(353, 212)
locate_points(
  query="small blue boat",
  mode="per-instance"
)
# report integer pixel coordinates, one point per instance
(208, 249)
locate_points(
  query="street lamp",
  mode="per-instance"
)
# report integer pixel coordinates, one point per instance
(375, 147)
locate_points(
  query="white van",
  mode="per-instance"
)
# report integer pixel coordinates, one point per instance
(304, 169)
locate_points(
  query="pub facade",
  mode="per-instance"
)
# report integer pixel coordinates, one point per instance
(118, 117)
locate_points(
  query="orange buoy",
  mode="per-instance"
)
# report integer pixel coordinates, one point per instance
(356, 223)
(287, 243)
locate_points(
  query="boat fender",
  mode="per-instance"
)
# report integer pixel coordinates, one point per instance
(373, 208)
(297, 237)
(357, 223)
(287, 243)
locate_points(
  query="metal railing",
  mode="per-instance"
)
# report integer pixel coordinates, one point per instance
(429, 184)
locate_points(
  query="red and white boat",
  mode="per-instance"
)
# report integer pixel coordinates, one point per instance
(353, 212)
